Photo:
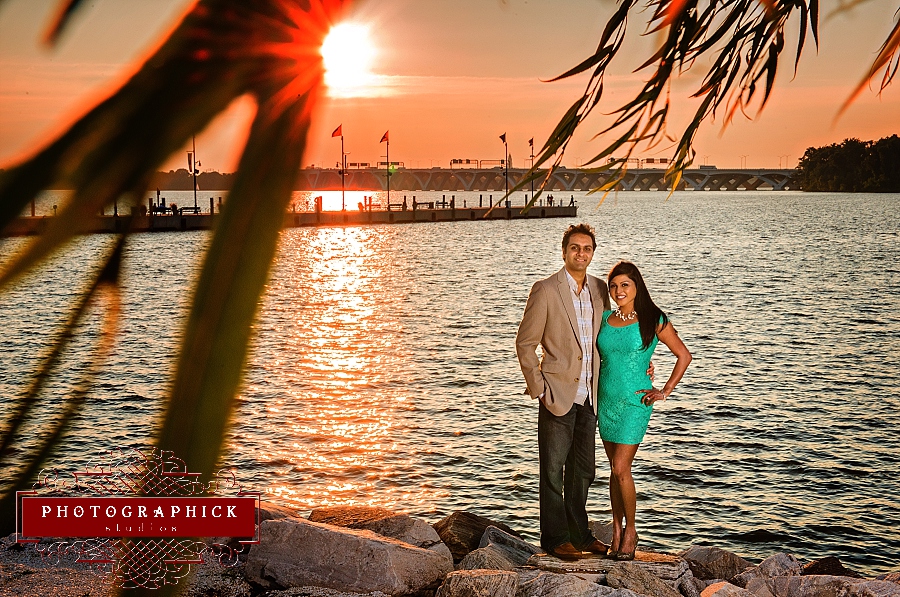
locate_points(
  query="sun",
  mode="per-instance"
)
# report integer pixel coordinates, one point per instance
(348, 54)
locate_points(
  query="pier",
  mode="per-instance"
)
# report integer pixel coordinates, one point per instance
(28, 226)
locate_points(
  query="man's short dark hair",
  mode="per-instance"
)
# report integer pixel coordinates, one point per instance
(578, 229)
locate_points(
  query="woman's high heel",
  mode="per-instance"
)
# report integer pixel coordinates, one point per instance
(611, 553)
(626, 556)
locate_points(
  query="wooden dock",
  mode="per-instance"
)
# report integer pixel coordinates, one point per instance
(28, 226)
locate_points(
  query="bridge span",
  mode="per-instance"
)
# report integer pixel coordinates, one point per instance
(563, 179)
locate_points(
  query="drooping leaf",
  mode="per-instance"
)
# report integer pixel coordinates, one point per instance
(106, 285)
(235, 270)
(120, 143)
(890, 52)
(62, 19)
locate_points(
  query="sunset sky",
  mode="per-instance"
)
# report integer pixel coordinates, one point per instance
(449, 77)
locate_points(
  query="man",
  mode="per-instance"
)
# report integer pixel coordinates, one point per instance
(563, 315)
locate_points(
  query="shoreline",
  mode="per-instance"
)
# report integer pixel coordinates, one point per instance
(454, 557)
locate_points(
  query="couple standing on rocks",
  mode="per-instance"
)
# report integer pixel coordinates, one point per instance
(595, 373)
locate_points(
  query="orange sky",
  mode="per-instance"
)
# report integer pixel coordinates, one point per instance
(454, 75)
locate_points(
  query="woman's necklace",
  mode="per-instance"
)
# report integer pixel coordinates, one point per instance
(630, 317)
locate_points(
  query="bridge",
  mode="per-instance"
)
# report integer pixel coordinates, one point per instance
(563, 179)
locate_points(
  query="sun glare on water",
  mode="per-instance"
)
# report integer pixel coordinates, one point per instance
(348, 54)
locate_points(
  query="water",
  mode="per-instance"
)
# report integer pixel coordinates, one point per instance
(384, 370)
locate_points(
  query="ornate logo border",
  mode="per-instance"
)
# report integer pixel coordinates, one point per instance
(139, 562)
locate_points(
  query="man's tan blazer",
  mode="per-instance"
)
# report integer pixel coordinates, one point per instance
(550, 320)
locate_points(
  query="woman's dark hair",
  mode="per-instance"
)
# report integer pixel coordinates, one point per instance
(649, 315)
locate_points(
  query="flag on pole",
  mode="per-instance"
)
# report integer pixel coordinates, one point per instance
(503, 137)
(384, 137)
(337, 132)
(531, 142)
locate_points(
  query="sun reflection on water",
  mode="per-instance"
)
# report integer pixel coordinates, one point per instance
(331, 399)
(336, 200)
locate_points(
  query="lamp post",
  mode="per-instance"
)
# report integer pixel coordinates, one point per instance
(386, 139)
(194, 165)
(505, 162)
(531, 146)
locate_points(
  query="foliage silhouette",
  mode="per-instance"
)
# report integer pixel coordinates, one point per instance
(744, 40)
(853, 166)
(222, 50)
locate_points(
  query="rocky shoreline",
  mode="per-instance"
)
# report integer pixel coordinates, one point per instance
(373, 552)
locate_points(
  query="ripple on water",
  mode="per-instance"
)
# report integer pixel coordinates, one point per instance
(384, 371)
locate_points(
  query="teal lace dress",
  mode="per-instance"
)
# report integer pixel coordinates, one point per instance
(621, 416)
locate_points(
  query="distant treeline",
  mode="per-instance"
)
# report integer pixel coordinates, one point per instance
(176, 180)
(853, 166)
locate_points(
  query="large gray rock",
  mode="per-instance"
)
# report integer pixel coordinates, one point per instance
(387, 523)
(547, 584)
(265, 511)
(605, 591)
(518, 550)
(603, 531)
(780, 564)
(829, 565)
(479, 583)
(760, 586)
(536, 583)
(663, 566)
(626, 575)
(487, 558)
(725, 589)
(498, 550)
(712, 562)
(831, 586)
(462, 532)
(297, 552)
(690, 586)
(315, 592)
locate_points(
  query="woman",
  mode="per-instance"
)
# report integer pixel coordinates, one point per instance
(627, 339)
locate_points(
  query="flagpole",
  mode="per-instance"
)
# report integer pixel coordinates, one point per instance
(506, 161)
(531, 143)
(388, 156)
(343, 172)
(385, 138)
(194, 169)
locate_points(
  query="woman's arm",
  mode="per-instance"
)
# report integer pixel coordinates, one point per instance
(668, 336)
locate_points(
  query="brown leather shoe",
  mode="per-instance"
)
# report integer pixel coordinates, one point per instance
(566, 551)
(596, 547)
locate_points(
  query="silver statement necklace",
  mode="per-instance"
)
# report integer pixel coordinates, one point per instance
(630, 317)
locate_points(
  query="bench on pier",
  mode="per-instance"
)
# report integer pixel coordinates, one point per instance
(184, 210)
(423, 205)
